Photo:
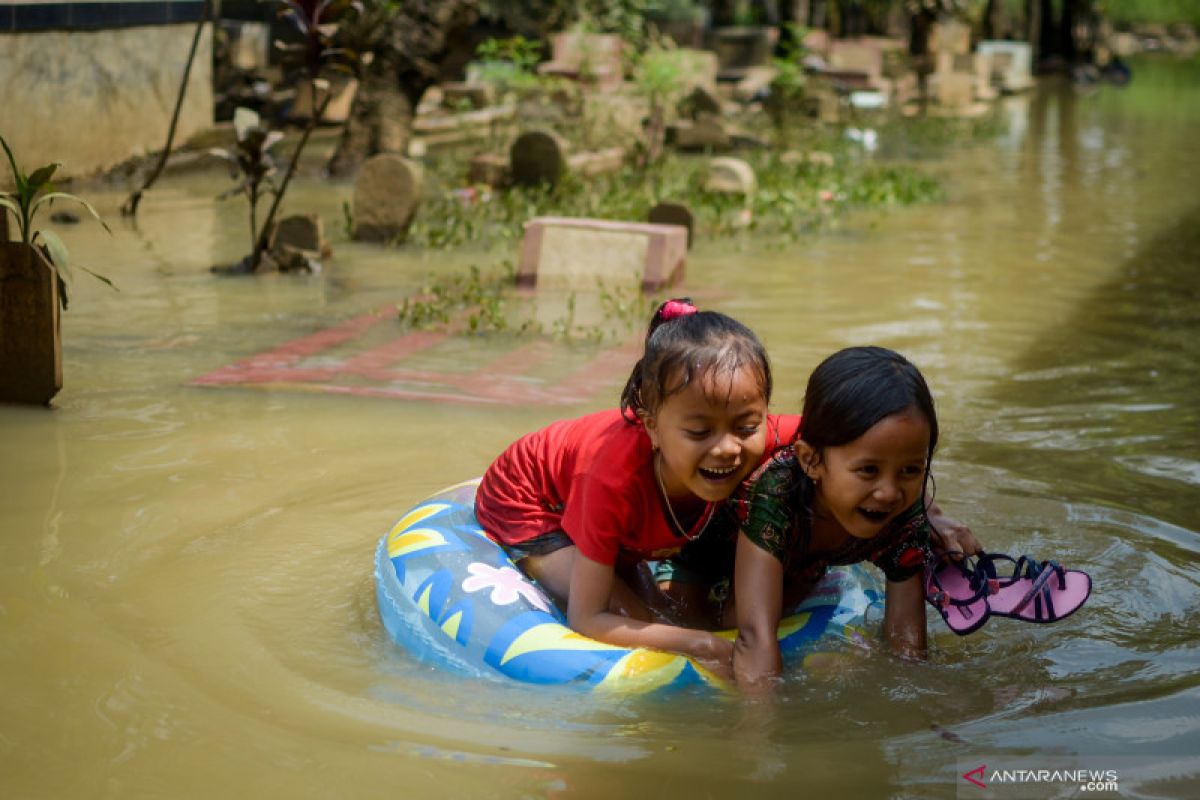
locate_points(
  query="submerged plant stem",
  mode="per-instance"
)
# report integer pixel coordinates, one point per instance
(260, 241)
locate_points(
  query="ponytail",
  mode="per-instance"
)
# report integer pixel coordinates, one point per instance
(682, 344)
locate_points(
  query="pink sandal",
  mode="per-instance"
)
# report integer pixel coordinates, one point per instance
(1035, 591)
(958, 592)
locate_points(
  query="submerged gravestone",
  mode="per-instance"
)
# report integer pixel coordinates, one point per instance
(673, 214)
(387, 192)
(730, 176)
(537, 157)
(576, 253)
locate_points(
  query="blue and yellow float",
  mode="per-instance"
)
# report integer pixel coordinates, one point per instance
(452, 597)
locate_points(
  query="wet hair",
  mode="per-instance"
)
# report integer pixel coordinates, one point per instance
(849, 393)
(684, 345)
(854, 389)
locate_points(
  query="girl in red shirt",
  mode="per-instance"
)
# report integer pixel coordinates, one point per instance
(581, 503)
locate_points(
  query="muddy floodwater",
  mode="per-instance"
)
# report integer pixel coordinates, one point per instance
(186, 596)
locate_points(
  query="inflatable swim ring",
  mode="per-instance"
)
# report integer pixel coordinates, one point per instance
(452, 597)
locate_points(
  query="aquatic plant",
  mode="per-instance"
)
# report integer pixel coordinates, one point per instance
(787, 91)
(33, 190)
(252, 164)
(796, 195)
(485, 304)
(317, 22)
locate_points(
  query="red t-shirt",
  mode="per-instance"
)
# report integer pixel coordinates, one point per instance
(591, 478)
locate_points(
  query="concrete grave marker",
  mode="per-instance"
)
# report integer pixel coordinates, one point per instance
(577, 253)
(1013, 61)
(673, 214)
(849, 55)
(338, 109)
(730, 176)
(706, 132)
(591, 57)
(387, 192)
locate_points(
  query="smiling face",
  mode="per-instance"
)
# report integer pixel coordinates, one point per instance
(710, 435)
(864, 484)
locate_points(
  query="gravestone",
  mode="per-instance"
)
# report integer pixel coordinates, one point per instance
(673, 214)
(850, 55)
(387, 192)
(457, 95)
(1012, 61)
(951, 35)
(706, 132)
(700, 101)
(576, 253)
(596, 162)
(537, 157)
(954, 89)
(730, 176)
(753, 83)
(338, 109)
(30, 344)
(816, 41)
(589, 57)
(300, 232)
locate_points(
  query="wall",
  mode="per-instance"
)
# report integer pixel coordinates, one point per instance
(91, 84)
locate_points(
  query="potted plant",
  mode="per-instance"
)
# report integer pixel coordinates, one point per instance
(34, 271)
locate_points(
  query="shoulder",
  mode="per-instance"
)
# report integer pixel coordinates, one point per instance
(777, 475)
(782, 430)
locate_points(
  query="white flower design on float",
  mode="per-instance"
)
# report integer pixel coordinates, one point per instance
(506, 583)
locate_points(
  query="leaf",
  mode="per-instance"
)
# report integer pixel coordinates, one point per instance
(16, 210)
(245, 120)
(41, 176)
(61, 259)
(58, 252)
(17, 176)
(66, 196)
(100, 277)
(221, 152)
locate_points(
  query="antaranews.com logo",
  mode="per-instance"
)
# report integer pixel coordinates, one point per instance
(1031, 780)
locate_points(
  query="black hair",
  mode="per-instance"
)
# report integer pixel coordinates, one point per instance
(682, 345)
(853, 389)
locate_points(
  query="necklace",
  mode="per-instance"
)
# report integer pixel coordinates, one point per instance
(671, 511)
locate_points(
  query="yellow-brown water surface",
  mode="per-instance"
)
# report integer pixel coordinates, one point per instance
(186, 598)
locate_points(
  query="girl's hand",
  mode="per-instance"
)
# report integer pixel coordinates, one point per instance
(715, 654)
(951, 536)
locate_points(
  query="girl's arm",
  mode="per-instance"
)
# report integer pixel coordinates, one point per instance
(949, 535)
(758, 578)
(904, 617)
(588, 613)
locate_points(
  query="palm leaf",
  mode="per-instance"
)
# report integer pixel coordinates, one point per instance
(66, 196)
(57, 252)
(41, 176)
(17, 176)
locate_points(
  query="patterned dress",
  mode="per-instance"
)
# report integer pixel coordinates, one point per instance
(773, 508)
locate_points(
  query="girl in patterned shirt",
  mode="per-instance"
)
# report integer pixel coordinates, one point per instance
(853, 487)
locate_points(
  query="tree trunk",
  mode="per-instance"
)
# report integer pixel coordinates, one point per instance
(420, 39)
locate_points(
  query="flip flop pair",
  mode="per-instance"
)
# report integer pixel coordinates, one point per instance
(967, 594)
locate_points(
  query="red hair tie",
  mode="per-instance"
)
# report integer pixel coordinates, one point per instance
(675, 308)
